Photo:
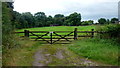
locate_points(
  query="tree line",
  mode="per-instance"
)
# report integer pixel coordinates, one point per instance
(39, 19)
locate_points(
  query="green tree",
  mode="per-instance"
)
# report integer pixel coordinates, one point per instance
(114, 20)
(102, 21)
(40, 19)
(59, 19)
(67, 21)
(29, 19)
(50, 20)
(84, 23)
(89, 22)
(108, 21)
(22, 21)
(74, 19)
(16, 19)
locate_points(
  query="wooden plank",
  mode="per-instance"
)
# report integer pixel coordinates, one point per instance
(54, 38)
(63, 37)
(67, 38)
(91, 31)
(84, 36)
(39, 31)
(84, 31)
(18, 32)
(45, 40)
(62, 31)
(65, 31)
(49, 40)
(52, 35)
(42, 35)
(34, 34)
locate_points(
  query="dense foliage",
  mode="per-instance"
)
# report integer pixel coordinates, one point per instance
(89, 22)
(113, 32)
(40, 19)
(107, 21)
(7, 25)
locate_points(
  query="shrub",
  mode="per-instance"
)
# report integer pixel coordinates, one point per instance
(113, 31)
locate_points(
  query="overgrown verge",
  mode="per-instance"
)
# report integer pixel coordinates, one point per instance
(101, 50)
(113, 31)
(21, 55)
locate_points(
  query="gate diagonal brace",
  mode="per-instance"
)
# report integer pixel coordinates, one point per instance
(39, 37)
(45, 40)
(34, 34)
(42, 36)
(62, 37)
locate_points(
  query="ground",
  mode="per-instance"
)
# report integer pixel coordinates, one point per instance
(59, 55)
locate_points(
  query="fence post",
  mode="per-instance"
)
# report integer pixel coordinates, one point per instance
(26, 33)
(51, 37)
(75, 34)
(92, 33)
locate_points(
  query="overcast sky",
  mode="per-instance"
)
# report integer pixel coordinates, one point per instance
(89, 9)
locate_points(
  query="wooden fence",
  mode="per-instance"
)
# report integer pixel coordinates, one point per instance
(74, 35)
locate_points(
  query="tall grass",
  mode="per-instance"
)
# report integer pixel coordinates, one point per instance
(103, 50)
(22, 55)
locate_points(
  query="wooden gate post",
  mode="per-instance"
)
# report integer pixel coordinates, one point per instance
(26, 33)
(75, 34)
(51, 37)
(92, 34)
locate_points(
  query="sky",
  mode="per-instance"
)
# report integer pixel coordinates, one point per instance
(89, 9)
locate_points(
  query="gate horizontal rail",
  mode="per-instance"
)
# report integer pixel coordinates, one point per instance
(51, 40)
(65, 31)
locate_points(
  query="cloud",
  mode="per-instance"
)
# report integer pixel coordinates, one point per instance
(89, 9)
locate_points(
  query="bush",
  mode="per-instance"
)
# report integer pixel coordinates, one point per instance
(113, 31)
(8, 39)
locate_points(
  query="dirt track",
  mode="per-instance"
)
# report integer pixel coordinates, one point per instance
(59, 55)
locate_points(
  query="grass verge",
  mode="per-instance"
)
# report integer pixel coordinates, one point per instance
(21, 55)
(102, 50)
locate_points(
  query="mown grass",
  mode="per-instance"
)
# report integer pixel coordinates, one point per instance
(60, 28)
(57, 28)
(101, 50)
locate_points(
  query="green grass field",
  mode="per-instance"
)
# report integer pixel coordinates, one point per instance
(100, 50)
(60, 28)
(57, 28)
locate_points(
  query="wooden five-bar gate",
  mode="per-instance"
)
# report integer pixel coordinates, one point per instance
(73, 35)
